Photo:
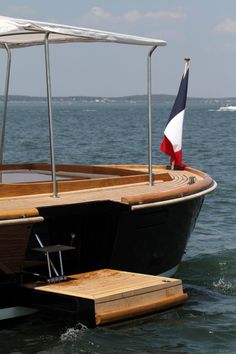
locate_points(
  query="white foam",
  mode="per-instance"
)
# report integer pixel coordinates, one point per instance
(71, 334)
(226, 287)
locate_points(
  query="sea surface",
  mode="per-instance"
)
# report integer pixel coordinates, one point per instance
(100, 132)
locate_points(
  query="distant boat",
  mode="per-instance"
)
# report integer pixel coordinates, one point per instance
(227, 109)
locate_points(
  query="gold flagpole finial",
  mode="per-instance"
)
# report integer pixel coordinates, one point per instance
(187, 60)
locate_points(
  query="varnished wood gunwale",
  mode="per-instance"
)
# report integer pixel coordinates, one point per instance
(124, 189)
(90, 169)
(121, 176)
(18, 214)
(178, 192)
(10, 190)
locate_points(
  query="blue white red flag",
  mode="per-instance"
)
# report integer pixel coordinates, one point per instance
(172, 141)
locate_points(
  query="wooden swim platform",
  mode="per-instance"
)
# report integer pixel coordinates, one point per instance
(111, 295)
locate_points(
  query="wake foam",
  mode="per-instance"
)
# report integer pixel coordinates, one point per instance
(226, 287)
(71, 334)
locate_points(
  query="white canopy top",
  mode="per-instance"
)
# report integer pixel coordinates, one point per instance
(22, 33)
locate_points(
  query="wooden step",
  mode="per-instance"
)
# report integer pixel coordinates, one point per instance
(118, 295)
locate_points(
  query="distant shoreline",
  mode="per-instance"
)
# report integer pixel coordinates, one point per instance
(123, 99)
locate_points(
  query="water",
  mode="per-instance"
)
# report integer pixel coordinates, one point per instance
(115, 133)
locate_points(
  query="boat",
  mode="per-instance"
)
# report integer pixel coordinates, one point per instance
(134, 218)
(227, 109)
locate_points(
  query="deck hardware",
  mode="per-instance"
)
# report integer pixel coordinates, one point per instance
(59, 276)
(73, 237)
(50, 261)
(191, 180)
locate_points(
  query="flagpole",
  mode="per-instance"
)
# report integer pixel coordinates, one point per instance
(186, 67)
(149, 91)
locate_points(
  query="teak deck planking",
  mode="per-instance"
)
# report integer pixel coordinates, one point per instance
(132, 189)
(118, 295)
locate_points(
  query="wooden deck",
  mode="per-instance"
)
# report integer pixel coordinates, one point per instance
(118, 295)
(131, 190)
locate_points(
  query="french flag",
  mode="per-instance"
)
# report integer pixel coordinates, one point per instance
(172, 141)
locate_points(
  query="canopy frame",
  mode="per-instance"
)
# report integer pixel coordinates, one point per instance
(50, 123)
(5, 106)
(61, 34)
(149, 94)
(30, 31)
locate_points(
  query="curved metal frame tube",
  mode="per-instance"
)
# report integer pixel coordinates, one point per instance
(50, 125)
(149, 91)
(5, 105)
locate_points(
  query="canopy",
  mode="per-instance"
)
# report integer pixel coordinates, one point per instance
(18, 33)
(22, 33)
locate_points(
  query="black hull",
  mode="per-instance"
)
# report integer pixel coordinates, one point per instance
(110, 235)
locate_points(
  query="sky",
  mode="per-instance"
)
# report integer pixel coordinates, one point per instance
(204, 30)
